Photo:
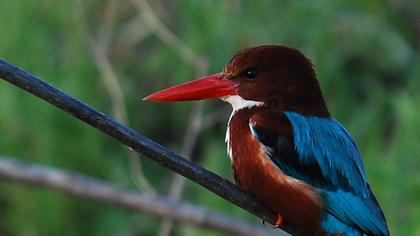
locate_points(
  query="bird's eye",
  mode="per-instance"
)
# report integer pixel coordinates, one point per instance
(251, 73)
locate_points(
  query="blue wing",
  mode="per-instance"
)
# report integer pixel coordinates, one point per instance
(322, 153)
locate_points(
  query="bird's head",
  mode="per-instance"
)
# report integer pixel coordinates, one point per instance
(268, 75)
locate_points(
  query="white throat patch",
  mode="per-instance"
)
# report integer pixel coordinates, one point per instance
(237, 103)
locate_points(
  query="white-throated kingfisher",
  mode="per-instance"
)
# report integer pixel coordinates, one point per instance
(285, 147)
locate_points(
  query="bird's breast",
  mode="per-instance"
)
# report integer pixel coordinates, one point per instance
(297, 202)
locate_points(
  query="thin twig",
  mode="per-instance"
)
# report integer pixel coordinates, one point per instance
(222, 187)
(151, 20)
(95, 189)
(178, 182)
(216, 117)
(99, 50)
(410, 14)
(131, 32)
(195, 126)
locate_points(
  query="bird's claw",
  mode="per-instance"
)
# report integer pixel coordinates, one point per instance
(279, 221)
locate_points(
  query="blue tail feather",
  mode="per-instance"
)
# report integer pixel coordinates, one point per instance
(332, 225)
(356, 211)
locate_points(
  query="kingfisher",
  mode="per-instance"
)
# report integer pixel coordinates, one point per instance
(285, 147)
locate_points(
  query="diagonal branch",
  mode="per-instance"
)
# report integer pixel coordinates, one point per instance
(95, 189)
(135, 141)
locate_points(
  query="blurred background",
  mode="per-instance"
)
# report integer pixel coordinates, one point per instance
(112, 53)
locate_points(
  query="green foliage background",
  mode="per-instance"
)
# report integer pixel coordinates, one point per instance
(366, 57)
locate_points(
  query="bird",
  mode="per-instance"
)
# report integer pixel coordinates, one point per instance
(285, 147)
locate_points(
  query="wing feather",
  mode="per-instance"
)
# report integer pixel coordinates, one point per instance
(321, 152)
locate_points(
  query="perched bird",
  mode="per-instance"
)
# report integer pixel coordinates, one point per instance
(285, 147)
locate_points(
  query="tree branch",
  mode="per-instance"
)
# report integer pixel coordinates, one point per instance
(95, 189)
(135, 141)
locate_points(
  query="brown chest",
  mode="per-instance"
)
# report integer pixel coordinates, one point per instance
(297, 202)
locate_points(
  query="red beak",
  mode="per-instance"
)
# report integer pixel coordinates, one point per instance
(212, 86)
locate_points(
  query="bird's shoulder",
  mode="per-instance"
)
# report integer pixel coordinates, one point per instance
(274, 130)
(317, 150)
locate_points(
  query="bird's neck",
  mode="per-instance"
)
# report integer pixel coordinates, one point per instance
(239, 103)
(309, 104)
(242, 111)
(241, 120)
(308, 100)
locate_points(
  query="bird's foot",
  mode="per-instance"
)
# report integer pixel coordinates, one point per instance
(279, 221)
